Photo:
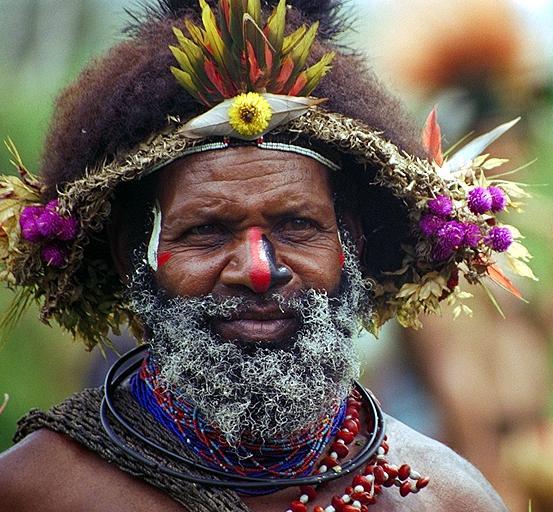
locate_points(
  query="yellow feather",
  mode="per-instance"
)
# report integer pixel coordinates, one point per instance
(192, 50)
(212, 34)
(196, 33)
(254, 10)
(187, 66)
(179, 35)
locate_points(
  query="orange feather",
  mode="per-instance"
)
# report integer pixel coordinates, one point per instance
(432, 138)
(497, 276)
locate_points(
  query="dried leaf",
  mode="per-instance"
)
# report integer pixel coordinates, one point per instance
(518, 251)
(520, 268)
(492, 163)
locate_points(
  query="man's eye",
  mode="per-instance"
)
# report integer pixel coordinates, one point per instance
(297, 225)
(204, 230)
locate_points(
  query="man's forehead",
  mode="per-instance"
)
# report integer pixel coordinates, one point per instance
(244, 171)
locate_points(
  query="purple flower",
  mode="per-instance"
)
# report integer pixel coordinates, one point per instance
(49, 223)
(54, 255)
(441, 206)
(52, 205)
(451, 234)
(480, 200)
(68, 229)
(450, 237)
(472, 235)
(441, 251)
(429, 224)
(28, 223)
(499, 199)
(499, 239)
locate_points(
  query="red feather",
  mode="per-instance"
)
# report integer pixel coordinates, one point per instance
(432, 138)
(255, 71)
(225, 6)
(497, 276)
(284, 75)
(268, 59)
(301, 82)
(215, 78)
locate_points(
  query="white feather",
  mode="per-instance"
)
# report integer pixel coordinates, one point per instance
(215, 122)
(153, 244)
(473, 149)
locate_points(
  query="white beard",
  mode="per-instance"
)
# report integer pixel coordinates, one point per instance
(258, 393)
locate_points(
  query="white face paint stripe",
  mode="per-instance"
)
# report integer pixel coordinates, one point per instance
(153, 245)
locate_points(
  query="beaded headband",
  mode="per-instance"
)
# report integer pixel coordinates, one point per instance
(253, 80)
(261, 143)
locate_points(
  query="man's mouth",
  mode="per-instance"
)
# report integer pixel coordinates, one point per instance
(270, 327)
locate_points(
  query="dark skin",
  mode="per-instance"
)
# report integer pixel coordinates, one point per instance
(209, 204)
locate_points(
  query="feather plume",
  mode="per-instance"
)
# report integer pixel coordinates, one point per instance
(329, 13)
(234, 53)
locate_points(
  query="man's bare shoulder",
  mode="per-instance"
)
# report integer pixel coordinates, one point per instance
(455, 485)
(50, 472)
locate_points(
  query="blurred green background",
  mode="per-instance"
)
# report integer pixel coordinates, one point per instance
(44, 44)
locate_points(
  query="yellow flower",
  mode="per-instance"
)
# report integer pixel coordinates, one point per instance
(250, 114)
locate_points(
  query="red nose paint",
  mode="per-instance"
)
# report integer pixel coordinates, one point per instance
(259, 268)
(163, 258)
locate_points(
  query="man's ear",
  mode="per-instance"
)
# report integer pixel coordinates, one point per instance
(118, 244)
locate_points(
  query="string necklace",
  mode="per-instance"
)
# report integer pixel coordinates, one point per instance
(370, 468)
(282, 458)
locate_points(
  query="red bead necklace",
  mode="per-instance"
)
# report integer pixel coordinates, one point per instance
(365, 487)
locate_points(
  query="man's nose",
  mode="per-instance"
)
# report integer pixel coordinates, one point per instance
(255, 265)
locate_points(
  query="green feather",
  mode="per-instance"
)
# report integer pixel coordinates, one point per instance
(276, 25)
(315, 73)
(292, 40)
(212, 36)
(186, 81)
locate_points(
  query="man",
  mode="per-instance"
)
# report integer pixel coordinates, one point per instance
(245, 241)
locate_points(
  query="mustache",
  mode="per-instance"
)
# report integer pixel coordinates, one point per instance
(243, 306)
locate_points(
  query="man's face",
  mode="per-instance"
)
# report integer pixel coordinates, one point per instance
(257, 361)
(214, 204)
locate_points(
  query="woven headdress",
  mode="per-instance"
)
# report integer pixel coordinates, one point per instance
(196, 77)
